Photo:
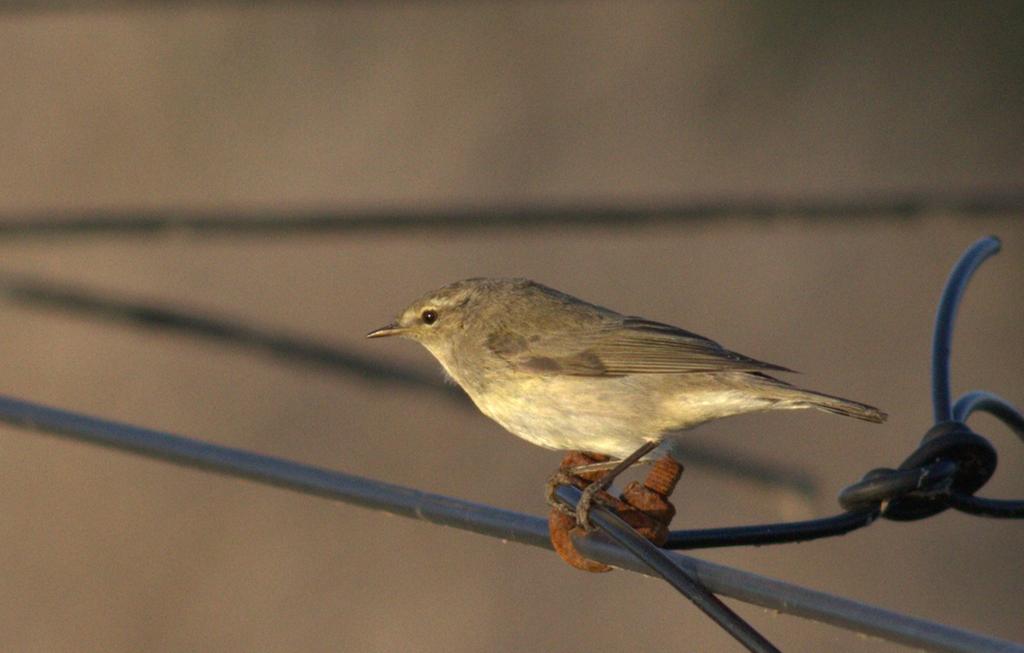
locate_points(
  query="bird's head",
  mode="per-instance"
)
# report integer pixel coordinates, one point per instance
(441, 316)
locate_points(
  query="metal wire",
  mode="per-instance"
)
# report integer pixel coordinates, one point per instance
(1002, 410)
(150, 315)
(946, 319)
(744, 586)
(661, 563)
(485, 217)
(998, 407)
(761, 534)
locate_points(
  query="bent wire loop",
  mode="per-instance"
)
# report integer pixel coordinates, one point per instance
(951, 464)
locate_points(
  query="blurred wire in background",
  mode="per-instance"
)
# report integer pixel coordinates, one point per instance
(513, 217)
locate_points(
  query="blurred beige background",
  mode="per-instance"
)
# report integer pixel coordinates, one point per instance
(422, 105)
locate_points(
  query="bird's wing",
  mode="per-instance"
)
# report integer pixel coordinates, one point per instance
(627, 345)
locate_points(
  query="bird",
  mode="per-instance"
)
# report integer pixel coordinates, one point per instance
(566, 374)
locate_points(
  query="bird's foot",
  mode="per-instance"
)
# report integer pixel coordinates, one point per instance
(644, 506)
(586, 503)
(579, 470)
(557, 480)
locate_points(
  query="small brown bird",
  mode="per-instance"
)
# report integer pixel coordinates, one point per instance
(566, 374)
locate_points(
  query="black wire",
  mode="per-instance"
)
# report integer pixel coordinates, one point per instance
(756, 535)
(943, 408)
(945, 318)
(659, 562)
(1005, 412)
(991, 404)
(474, 218)
(985, 507)
(220, 329)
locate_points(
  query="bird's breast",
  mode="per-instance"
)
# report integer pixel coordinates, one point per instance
(602, 415)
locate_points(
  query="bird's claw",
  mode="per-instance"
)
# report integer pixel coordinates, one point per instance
(589, 492)
(644, 506)
(584, 506)
(558, 479)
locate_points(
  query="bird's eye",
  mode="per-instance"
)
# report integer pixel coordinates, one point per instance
(429, 316)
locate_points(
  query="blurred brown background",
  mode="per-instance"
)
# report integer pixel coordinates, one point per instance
(364, 106)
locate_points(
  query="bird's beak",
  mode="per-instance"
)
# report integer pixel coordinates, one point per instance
(393, 329)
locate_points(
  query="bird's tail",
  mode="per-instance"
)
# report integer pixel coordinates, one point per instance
(839, 406)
